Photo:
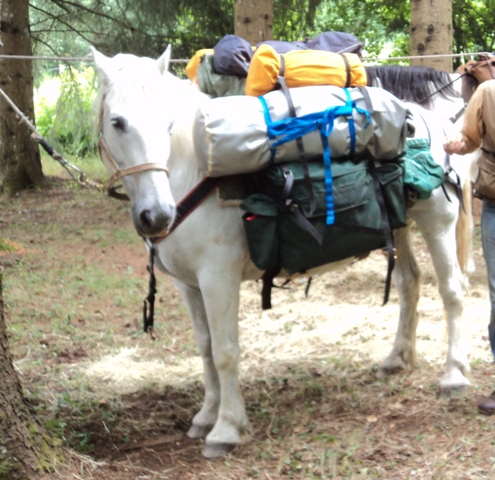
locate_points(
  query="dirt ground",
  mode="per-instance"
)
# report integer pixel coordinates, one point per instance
(123, 404)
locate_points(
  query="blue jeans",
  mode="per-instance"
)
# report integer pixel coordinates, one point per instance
(488, 243)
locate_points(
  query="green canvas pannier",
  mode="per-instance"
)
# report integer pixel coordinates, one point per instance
(282, 232)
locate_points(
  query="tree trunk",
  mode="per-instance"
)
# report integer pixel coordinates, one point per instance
(25, 450)
(20, 163)
(253, 20)
(431, 33)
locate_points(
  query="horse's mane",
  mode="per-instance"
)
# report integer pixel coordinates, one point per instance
(411, 83)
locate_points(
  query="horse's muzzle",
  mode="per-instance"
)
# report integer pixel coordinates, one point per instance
(152, 222)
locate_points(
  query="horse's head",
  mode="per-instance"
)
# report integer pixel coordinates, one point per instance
(135, 119)
(476, 72)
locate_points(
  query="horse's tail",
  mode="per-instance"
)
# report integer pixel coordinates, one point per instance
(464, 233)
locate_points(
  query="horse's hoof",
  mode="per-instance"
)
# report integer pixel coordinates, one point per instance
(199, 431)
(452, 391)
(385, 372)
(217, 450)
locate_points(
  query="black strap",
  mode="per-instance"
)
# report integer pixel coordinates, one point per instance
(446, 174)
(456, 183)
(284, 201)
(299, 141)
(389, 240)
(149, 301)
(183, 209)
(488, 151)
(347, 71)
(286, 204)
(306, 224)
(266, 290)
(190, 202)
(459, 114)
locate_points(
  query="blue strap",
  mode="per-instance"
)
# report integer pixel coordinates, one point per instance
(289, 129)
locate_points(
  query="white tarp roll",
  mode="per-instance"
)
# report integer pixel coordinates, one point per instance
(230, 133)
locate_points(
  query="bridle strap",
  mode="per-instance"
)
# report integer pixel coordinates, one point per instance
(487, 62)
(490, 66)
(189, 203)
(119, 173)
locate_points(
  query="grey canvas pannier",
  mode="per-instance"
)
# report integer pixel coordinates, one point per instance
(231, 134)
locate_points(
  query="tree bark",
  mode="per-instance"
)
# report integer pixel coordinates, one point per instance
(253, 20)
(431, 33)
(20, 162)
(25, 450)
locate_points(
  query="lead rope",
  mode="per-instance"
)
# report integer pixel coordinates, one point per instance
(183, 208)
(81, 177)
(149, 301)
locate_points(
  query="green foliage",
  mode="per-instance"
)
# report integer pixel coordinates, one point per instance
(474, 26)
(146, 27)
(66, 121)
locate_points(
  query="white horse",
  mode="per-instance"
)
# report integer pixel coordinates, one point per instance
(446, 95)
(146, 117)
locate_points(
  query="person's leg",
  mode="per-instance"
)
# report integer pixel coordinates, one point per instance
(488, 243)
(487, 405)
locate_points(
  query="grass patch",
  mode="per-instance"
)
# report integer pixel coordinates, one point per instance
(6, 246)
(91, 165)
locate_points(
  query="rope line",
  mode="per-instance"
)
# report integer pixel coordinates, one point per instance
(73, 59)
(186, 60)
(81, 178)
(438, 55)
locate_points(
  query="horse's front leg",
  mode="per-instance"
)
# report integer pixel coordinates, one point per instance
(407, 280)
(220, 292)
(205, 419)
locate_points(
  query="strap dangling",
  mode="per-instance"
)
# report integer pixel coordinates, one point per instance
(149, 301)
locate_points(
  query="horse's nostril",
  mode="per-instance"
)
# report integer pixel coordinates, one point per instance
(146, 219)
(150, 222)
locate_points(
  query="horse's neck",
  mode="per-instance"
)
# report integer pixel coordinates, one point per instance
(448, 107)
(185, 171)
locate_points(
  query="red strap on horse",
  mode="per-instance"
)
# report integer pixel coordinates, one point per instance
(186, 206)
(189, 203)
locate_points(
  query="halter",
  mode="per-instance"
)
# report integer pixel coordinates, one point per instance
(119, 173)
(485, 62)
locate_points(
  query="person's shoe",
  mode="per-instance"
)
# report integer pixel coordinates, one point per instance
(487, 405)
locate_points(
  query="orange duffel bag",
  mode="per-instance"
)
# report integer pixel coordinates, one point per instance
(302, 68)
(193, 64)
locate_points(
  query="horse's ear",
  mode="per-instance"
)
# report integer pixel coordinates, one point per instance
(164, 61)
(102, 66)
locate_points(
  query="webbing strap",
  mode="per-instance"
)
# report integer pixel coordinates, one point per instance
(299, 141)
(189, 203)
(389, 239)
(347, 71)
(149, 301)
(447, 178)
(289, 129)
(286, 204)
(186, 206)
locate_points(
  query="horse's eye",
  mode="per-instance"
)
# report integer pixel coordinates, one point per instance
(118, 122)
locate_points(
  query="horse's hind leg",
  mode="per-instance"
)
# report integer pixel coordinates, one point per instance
(205, 419)
(439, 234)
(407, 280)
